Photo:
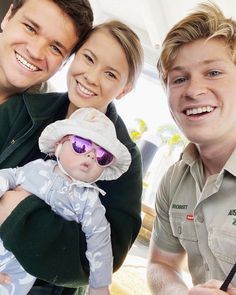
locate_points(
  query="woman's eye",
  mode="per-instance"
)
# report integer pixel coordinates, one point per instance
(111, 75)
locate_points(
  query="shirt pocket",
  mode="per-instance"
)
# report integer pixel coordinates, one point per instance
(182, 228)
(222, 242)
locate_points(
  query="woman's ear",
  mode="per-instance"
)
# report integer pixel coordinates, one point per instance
(126, 90)
(6, 18)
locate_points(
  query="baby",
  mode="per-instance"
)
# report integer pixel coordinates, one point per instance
(86, 150)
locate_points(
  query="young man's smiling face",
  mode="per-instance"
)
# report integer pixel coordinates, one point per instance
(34, 43)
(201, 91)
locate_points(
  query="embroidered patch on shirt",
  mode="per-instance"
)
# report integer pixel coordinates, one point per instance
(189, 217)
(179, 206)
(232, 212)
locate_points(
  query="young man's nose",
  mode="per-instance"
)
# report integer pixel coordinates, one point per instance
(195, 88)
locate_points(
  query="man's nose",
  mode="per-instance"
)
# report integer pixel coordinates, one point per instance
(37, 49)
(195, 88)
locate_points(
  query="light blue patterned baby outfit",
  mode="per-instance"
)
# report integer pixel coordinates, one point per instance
(78, 201)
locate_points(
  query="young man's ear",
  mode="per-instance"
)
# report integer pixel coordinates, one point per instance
(126, 90)
(6, 18)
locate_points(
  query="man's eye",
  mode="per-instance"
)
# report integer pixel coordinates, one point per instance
(214, 73)
(56, 50)
(30, 28)
(180, 80)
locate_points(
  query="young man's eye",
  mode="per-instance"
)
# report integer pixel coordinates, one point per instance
(214, 73)
(180, 80)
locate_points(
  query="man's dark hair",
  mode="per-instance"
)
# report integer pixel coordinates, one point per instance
(79, 11)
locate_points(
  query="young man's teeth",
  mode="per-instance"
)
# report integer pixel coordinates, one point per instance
(25, 63)
(85, 90)
(195, 111)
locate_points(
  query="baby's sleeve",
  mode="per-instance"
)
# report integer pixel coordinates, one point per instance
(7, 180)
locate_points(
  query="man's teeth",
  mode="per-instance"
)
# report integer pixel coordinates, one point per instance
(195, 111)
(85, 90)
(24, 63)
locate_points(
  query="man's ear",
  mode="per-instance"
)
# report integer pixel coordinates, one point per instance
(126, 90)
(6, 18)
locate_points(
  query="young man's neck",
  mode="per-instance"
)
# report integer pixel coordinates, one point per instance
(215, 156)
(5, 95)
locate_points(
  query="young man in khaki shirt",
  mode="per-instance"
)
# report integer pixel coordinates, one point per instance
(195, 202)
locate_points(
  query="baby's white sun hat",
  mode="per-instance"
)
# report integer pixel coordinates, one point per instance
(91, 124)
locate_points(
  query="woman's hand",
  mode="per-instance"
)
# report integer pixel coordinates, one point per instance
(211, 287)
(10, 201)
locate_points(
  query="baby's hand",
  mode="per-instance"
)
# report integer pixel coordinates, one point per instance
(4, 279)
(98, 291)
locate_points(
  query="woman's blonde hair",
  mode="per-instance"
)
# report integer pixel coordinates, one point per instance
(129, 42)
(206, 22)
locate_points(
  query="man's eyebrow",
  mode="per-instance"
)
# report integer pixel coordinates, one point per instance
(37, 26)
(32, 22)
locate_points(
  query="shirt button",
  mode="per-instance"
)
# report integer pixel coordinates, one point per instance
(206, 266)
(200, 218)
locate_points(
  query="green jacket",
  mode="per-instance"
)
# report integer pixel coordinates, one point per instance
(45, 244)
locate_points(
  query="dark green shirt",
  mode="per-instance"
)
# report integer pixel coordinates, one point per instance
(45, 244)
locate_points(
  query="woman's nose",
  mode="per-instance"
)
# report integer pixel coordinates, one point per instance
(92, 76)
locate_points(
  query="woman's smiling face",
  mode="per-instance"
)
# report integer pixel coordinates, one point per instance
(99, 72)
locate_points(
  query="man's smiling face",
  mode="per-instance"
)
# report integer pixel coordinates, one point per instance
(34, 43)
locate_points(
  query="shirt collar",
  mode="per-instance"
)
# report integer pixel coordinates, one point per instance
(190, 155)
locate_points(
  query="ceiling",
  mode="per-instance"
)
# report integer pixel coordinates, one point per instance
(151, 19)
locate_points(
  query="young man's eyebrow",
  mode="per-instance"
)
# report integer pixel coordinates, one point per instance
(178, 68)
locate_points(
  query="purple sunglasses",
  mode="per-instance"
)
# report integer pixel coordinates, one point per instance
(81, 146)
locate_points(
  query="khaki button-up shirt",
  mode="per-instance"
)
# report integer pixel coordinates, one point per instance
(198, 217)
